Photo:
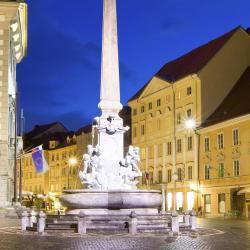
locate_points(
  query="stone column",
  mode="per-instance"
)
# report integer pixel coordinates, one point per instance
(81, 227)
(175, 222)
(110, 87)
(41, 222)
(133, 223)
(193, 220)
(24, 221)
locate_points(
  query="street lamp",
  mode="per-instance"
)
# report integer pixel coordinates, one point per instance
(72, 161)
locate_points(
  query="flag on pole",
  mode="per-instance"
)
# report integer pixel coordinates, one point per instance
(39, 160)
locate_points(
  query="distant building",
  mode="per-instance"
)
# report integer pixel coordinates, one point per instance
(224, 171)
(59, 146)
(189, 87)
(13, 47)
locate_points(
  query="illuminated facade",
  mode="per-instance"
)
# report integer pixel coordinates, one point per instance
(224, 171)
(13, 46)
(191, 86)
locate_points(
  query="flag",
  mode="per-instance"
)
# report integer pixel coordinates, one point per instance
(39, 159)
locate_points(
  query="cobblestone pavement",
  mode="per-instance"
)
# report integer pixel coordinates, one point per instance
(236, 236)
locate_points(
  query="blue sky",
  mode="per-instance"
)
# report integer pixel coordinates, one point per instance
(59, 80)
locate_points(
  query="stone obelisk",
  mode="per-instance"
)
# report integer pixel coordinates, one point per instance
(110, 86)
(110, 126)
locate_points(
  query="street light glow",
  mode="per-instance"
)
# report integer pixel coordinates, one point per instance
(190, 123)
(72, 161)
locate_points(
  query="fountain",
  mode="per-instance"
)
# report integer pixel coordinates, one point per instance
(109, 177)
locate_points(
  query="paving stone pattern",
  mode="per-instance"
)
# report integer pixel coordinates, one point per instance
(236, 236)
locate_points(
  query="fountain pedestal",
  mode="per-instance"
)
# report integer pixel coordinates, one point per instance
(111, 202)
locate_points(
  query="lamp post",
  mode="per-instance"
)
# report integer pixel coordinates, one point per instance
(72, 161)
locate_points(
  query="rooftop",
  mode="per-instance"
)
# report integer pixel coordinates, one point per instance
(235, 104)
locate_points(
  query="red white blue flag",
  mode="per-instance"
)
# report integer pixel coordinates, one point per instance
(39, 160)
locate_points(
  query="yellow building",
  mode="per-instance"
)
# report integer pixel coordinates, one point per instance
(192, 86)
(13, 47)
(60, 151)
(224, 170)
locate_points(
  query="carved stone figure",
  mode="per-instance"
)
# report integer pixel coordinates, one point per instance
(93, 175)
(129, 169)
(112, 128)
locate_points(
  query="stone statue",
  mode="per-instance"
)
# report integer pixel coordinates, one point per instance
(93, 175)
(111, 128)
(129, 169)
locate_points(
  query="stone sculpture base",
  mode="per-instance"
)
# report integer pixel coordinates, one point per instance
(112, 201)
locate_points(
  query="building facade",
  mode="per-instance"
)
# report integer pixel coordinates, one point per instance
(224, 171)
(13, 46)
(184, 89)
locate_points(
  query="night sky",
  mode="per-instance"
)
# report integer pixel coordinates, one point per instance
(59, 80)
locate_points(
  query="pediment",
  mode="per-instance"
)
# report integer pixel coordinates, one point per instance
(154, 86)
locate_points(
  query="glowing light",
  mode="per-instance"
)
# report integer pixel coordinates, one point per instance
(72, 161)
(169, 199)
(57, 205)
(179, 200)
(190, 124)
(16, 37)
(14, 27)
(190, 200)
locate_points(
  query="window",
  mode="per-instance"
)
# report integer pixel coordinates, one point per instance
(189, 91)
(134, 111)
(53, 157)
(158, 124)
(190, 143)
(158, 102)
(207, 172)
(169, 148)
(236, 167)
(179, 174)
(236, 137)
(151, 152)
(57, 157)
(159, 149)
(134, 132)
(142, 109)
(169, 175)
(206, 144)
(190, 172)
(143, 154)
(221, 170)
(160, 176)
(150, 105)
(142, 129)
(220, 141)
(221, 203)
(178, 118)
(207, 203)
(189, 113)
(179, 146)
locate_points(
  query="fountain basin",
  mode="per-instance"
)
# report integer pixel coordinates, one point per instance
(111, 199)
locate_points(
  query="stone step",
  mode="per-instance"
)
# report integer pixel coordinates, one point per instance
(60, 230)
(61, 225)
(162, 230)
(159, 226)
(108, 227)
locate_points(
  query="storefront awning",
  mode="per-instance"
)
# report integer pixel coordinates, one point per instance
(244, 190)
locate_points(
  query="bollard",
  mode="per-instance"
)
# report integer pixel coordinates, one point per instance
(187, 219)
(82, 225)
(193, 220)
(175, 222)
(41, 222)
(24, 221)
(133, 223)
(32, 218)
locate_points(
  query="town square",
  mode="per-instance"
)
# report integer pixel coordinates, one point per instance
(124, 124)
